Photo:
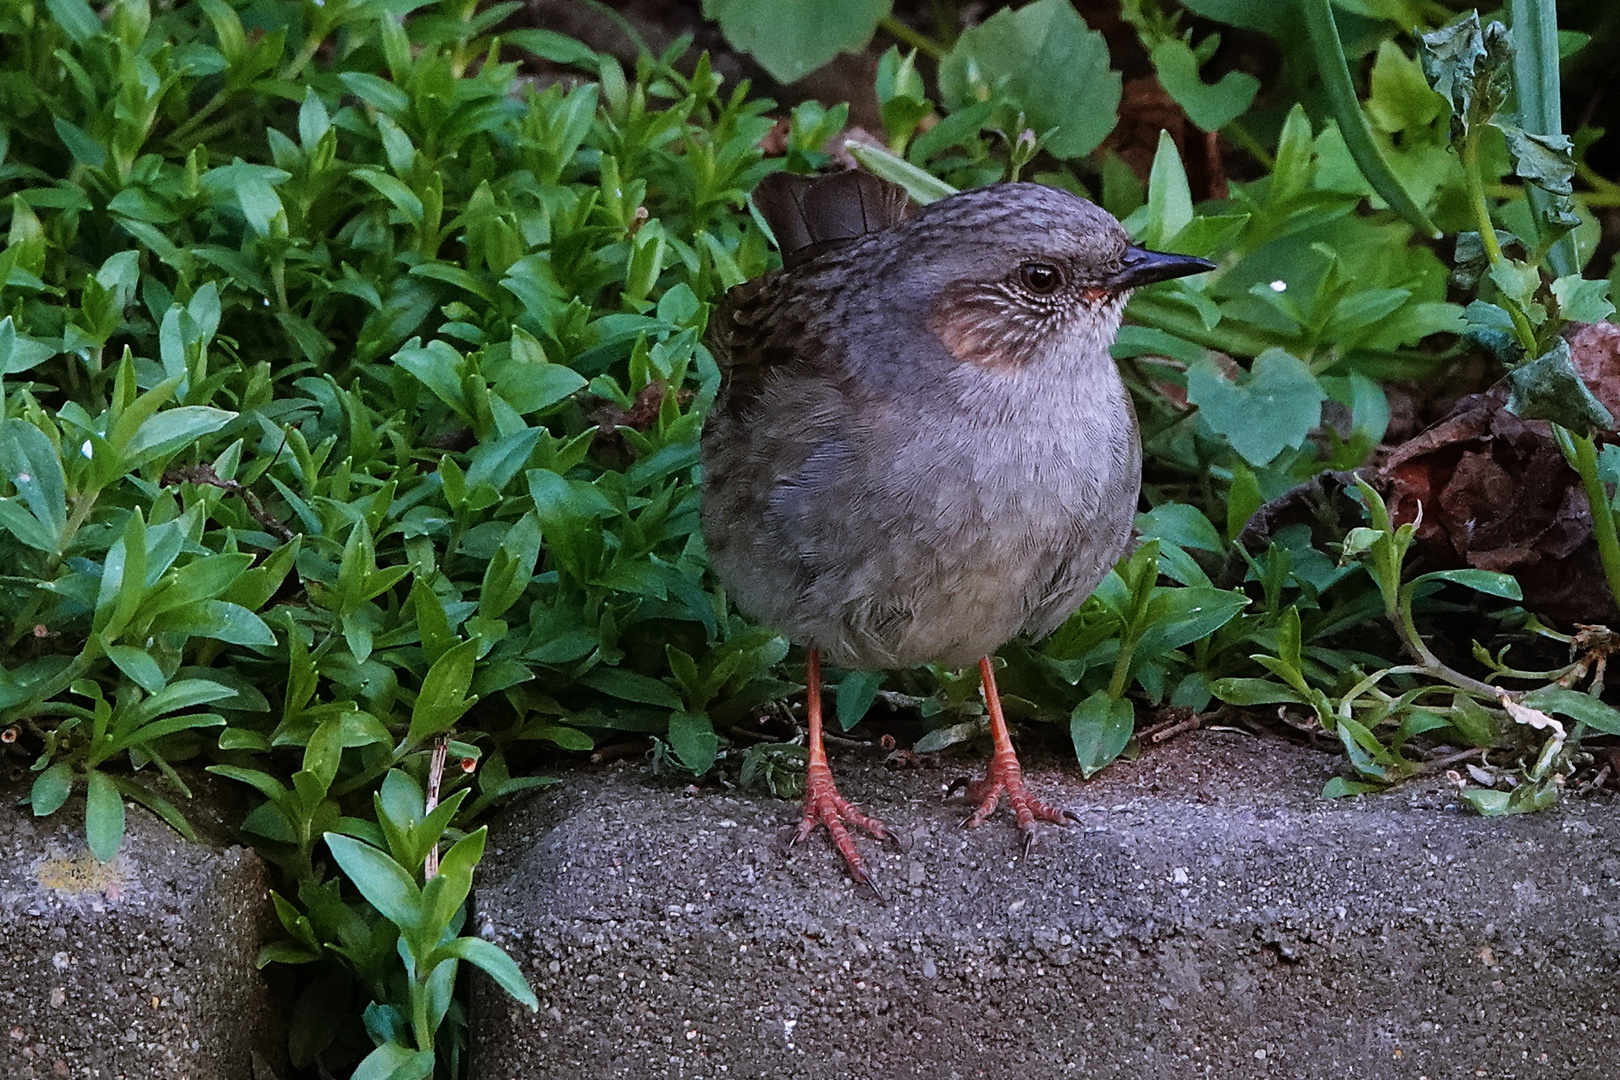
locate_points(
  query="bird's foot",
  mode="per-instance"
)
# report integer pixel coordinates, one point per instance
(825, 807)
(1005, 777)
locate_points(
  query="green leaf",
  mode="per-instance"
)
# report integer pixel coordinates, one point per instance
(139, 666)
(443, 697)
(171, 429)
(1211, 107)
(1549, 388)
(1100, 726)
(51, 789)
(395, 1061)
(692, 735)
(1572, 703)
(382, 881)
(1322, 35)
(856, 693)
(632, 687)
(1339, 787)
(1580, 300)
(923, 187)
(1485, 581)
(31, 464)
(1045, 62)
(76, 18)
(792, 38)
(1241, 691)
(1273, 410)
(103, 816)
(494, 962)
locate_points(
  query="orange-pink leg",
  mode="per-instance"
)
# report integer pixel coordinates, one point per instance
(1004, 776)
(822, 803)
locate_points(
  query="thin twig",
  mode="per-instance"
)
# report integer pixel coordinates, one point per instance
(441, 747)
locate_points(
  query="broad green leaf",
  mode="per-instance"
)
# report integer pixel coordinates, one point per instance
(1100, 726)
(381, 880)
(1273, 410)
(1485, 581)
(31, 464)
(856, 693)
(443, 697)
(139, 666)
(792, 38)
(172, 429)
(1572, 703)
(395, 1061)
(1044, 61)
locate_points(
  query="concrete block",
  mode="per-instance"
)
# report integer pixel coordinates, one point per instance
(1209, 917)
(141, 968)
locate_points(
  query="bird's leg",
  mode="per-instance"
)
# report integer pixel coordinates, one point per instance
(822, 803)
(1004, 776)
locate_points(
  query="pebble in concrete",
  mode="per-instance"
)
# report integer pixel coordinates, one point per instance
(138, 968)
(1209, 917)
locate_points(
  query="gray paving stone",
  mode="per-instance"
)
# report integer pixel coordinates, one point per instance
(141, 968)
(1209, 917)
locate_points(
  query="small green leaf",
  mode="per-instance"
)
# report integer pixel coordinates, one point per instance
(51, 789)
(1100, 726)
(1339, 787)
(103, 816)
(856, 693)
(1210, 106)
(139, 666)
(1485, 581)
(692, 735)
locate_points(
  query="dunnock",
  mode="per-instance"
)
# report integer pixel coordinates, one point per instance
(921, 447)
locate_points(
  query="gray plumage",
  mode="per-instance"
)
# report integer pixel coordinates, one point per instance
(914, 455)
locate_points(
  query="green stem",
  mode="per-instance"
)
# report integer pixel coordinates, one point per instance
(907, 36)
(1406, 629)
(1250, 145)
(1582, 455)
(1476, 196)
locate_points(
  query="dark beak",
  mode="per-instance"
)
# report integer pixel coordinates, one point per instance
(1143, 267)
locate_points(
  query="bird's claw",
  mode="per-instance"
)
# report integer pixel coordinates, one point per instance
(1006, 778)
(823, 806)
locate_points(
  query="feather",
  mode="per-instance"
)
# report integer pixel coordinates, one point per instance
(812, 214)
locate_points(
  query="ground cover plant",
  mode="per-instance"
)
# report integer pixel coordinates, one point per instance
(353, 369)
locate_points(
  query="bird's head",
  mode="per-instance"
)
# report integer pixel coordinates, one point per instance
(1007, 273)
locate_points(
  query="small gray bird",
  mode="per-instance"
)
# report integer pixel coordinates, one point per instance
(921, 447)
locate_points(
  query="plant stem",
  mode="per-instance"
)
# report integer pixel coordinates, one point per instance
(907, 36)
(1582, 455)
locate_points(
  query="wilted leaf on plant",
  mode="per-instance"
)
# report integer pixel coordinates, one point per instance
(1272, 411)
(1549, 388)
(1045, 61)
(1468, 65)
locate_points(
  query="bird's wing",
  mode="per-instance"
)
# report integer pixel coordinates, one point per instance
(813, 214)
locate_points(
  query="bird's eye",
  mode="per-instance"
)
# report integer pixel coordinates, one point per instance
(1040, 278)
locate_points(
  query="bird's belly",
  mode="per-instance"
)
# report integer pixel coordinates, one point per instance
(963, 557)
